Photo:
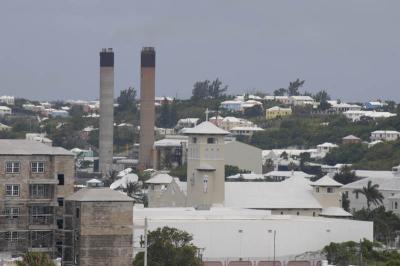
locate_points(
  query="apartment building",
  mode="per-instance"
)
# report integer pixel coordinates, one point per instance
(34, 180)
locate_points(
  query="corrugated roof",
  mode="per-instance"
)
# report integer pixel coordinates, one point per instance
(98, 194)
(29, 147)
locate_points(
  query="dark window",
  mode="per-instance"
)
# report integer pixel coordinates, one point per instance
(210, 140)
(60, 202)
(77, 212)
(60, 223)
(60, 179)
(329, 190)
(298, 213)
(194, 140)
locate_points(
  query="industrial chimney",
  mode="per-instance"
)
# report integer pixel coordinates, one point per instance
(147, 112)
(106, 110)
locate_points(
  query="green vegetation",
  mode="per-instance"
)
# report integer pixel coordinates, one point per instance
(169, 247)
(371, 193)
(35, 259)
(233, 170)
(363, 253)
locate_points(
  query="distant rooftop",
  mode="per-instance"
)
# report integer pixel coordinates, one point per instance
(98, 194)
(29, 147)
(205, 128)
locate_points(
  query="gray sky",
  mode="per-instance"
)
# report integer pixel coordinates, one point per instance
(49, 49)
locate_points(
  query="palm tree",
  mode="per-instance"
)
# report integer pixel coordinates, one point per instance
(35, 259)
(371, 193)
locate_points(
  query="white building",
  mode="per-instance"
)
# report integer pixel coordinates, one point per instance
(302, 100)
(326, 147)
(10, 100)
(357, 115)
(283, 175)
(385, 135)
(229, 122)
(389, 186)
(39, 137)
(4, 110)
(232, 105)
(245, 131)
(340, 107)
(187, 123)
(244, 156)
(227, 234)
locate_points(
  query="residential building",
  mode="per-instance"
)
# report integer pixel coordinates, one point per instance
(59, 113)
(277, 112)
(358, 115)
(340, 107)
(35, 179)
(161, 100)
(302, 100)
(373, 105)
(245, 131)
(39, 137)
(351, 139)
(232, 105)
(9, 100)
(4, 110)
(279, 176)
(326, 147)
(385, 135)
(229, 122)
(186, 123)
(389, 187)
(283, 99)
(98, 228)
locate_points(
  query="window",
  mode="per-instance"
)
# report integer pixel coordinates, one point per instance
(60, 202)
(12, 167)
(41, 191)
(11, 236)
(60, 223)
(356, 195)
(395, 205)
(281, 213)
(77, 212)
(298, 213)
(317, 189)
(313, 214)
(37, 167)
(194, 140)
(329, 190)
(211, 140)
(12, 190)
(12, 212)
(60, 178)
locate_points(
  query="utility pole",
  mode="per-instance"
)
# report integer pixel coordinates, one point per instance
(145, 241)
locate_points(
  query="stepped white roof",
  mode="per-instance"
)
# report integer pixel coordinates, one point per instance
(293, 193)
(326, 181)
(205, 128)
(334, 212)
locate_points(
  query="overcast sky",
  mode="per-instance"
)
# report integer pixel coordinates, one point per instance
(50, 49)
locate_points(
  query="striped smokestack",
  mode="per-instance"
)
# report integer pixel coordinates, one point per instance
(147, 111)
(106, 110)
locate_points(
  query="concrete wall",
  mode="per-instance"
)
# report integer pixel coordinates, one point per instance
(244, 156)
(105, 233)
(326, 199)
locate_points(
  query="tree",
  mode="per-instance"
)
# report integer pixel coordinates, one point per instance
(345, 202)
(345, 176)
(254, 111)
(216, 90)
(322, 97)
(135, 191)
(280, 92)
(127, 100)
(169, 247)
(371, 193)
(233, 170)
(208, 90)
(294, 87)
(35, 259)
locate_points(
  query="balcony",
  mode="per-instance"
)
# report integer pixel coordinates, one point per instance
(41, 217)
(41, 192)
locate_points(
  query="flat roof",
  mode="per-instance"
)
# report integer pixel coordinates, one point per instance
(29, 147)
(98, 194)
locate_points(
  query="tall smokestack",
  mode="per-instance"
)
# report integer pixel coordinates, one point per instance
(147, 112)
(106, 110)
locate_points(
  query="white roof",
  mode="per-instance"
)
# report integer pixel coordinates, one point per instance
(246, 176)
(124, 181)
(386, 180)
(171, 142)
(302, 98)
(98, 194)
(326, 181)
(205, 128)
(188, 120)
(385, 132)
(334, 212)
(289, 174)
(94, 181)
(293, 193)
(277, 108)
(160, 178)
(5, 108)
(29, 147)
(247, 128)
(351, 137)
(327, 144)
(231, 102)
